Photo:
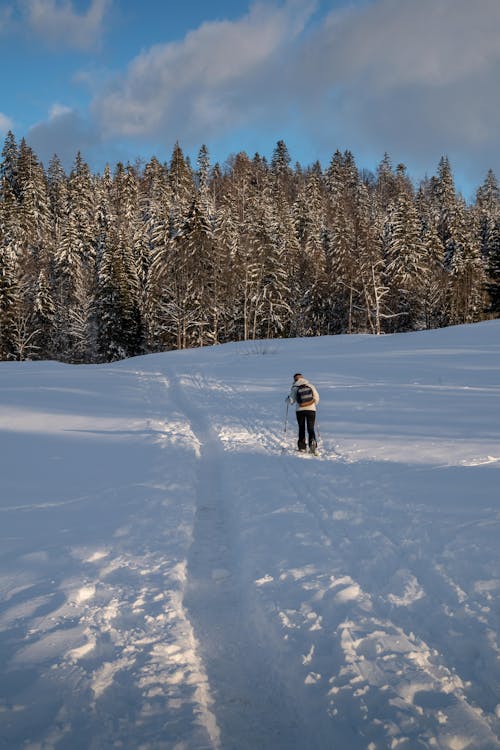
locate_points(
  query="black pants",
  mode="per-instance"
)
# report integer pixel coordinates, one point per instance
(307, 416)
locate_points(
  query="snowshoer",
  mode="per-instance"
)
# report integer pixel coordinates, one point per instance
(305, 396)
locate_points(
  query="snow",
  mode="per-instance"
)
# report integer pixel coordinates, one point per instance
(174, 575)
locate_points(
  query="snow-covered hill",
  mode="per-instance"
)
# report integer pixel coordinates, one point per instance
(171, 578)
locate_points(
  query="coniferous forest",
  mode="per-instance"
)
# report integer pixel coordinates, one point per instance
(156, 256)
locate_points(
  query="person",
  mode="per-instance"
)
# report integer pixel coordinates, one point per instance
(305, 396)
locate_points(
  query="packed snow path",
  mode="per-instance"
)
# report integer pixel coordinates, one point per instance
(173, 575)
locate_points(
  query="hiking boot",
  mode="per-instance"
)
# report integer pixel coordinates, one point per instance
(302, 445)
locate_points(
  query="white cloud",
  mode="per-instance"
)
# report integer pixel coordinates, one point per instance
(390, 43)
(59, 110)
(6, 123)
(210, 81)
(58, 23)
(63, 133)
(416, 78)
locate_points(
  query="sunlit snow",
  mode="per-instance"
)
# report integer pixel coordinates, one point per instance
(175, 576)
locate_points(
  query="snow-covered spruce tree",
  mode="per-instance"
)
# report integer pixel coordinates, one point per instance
(405, 263)
(34, 207)
(243, 185)
(118, 323)
(69, 284)
(196, 253)
(493, 270)
(81, 197)
(467, 279)
(35, 246)
(372, 308)
(267, 232)
(487, 209)
(445, 205)
(182, 274)
(9, 171)
(126, 225)
(435, 291)
(463, 263)
(43, 316)
(459, 231)
(387, 186)
(9, 303)
(435, 281)
(226, 271)
(160, 334)
(76, 266)
(276, 284)
(181, 181)
(151, 234)
(203, 180)
(57, 190)
(281, 170)
(309, 266)
(342, 290)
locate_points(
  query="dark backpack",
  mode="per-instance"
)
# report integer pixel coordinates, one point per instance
(304, 395)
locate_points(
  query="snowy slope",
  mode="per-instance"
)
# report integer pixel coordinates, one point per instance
(171, 578)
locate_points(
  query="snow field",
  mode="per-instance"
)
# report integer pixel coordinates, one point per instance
(173, 575)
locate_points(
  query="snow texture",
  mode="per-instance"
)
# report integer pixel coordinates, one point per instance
(175, 576)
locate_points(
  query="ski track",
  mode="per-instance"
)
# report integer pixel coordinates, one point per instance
(255, 697)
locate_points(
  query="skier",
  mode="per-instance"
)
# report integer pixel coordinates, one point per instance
(305, 396)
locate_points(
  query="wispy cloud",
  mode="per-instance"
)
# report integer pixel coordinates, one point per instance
(418, 76)
(209, 82)
(6, 123)
(64, 133)
(57, 22)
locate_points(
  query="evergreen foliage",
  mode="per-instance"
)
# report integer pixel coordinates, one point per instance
(140, 259)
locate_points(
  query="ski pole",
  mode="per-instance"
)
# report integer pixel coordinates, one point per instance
(283, 447)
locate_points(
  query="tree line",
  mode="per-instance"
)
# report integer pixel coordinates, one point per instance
(156, 256)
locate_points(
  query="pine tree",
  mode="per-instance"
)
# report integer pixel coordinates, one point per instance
(281, 171)
(405, 264)
(434, 296)
(118, 323)
(9, 168)
(493, 270)
(226, 271)
(309, 219)
(488, 214)
(386, 189)
(446, 205)
(467, 277)
(373, 291)
(44, 316)
(8, 304)
(182, 187)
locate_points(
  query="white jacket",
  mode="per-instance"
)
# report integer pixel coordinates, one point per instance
(292, 398)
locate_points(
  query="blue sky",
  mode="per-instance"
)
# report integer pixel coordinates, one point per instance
(120, 79)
